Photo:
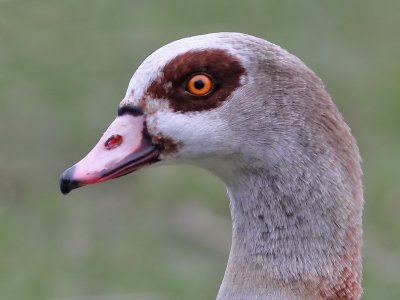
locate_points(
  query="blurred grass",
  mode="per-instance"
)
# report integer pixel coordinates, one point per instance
(64, 67)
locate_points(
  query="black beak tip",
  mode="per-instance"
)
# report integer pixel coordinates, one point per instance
(67, 183)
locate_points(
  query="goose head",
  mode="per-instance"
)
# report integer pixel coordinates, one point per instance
(257, 117)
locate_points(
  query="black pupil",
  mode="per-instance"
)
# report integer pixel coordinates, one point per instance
(199, 84)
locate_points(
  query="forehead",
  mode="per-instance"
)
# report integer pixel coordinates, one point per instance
(151, 67)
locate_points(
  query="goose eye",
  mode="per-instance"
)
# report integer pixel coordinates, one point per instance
(199, 85)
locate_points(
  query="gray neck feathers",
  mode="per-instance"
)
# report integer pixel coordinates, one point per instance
(296, 198)
(297, 225)
(293, 238)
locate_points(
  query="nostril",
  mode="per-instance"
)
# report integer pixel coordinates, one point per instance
(113, 142)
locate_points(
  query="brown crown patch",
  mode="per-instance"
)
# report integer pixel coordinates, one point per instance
(224, 69)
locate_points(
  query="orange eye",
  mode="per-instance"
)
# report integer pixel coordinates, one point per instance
(199, 85)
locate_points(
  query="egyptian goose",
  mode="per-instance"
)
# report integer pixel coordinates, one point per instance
(257, 117)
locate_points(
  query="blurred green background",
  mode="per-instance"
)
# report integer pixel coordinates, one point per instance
(164, 233)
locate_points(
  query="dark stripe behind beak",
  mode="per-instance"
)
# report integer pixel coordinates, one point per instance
(130, 110)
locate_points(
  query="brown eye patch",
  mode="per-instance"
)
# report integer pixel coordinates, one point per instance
(173, 85)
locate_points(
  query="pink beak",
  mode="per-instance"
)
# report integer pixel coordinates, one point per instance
(124, 147)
